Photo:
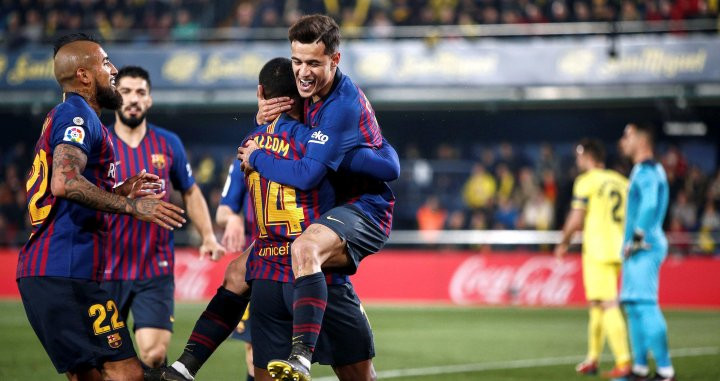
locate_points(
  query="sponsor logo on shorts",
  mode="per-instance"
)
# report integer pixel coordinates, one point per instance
(114, 340)
(331, 218)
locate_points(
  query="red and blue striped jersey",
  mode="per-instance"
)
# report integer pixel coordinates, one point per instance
(236, 197)
(341, 121)
(67, 238)
(282, 212)
(139, 249)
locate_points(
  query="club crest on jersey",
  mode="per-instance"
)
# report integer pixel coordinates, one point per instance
(74, 134)
(158, 160)
(114, 340)
(318, 137)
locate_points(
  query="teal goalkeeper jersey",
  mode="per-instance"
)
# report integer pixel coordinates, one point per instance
(647, 204)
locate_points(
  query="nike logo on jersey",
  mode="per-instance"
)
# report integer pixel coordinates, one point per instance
(334, 219)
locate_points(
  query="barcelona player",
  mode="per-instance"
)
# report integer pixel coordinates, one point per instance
(598, 208)
(212, 327)
(70, 190)
(341, 118)
(139, 265)
(645, 247)
(236, 216)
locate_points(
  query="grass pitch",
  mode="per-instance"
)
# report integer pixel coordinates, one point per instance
(423, 343)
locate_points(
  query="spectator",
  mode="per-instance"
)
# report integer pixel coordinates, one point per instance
(431, 218)
(506, 214)
(185, 28)
(537, 213)
(479, 189)
(684, 211)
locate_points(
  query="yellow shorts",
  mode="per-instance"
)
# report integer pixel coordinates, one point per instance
(600, 279)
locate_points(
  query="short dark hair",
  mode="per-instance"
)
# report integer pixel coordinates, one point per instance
(72, 37)
(647, 129)
(133, 72)
(594, 148)
(316, 28)
(277, 79)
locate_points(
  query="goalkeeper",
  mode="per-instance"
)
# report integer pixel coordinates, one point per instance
(645, 248)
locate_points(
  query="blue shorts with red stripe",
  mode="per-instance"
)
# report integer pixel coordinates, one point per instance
(345, 338)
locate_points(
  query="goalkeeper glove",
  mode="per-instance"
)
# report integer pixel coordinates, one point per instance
(637, 243)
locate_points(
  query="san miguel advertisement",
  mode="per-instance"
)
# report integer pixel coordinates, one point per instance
(388, 64)
(452, 277)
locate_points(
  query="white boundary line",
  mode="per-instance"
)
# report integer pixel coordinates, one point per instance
(513, 364)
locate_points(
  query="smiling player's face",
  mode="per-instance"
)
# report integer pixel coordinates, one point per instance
(314, 70)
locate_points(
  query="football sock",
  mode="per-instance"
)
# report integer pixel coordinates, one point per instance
(617, 335)
(310, 298)
(249, 378)
(215, 324)
(656, 334)
(595, 333)
(638, 341)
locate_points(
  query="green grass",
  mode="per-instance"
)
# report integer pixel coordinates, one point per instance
(417, 337)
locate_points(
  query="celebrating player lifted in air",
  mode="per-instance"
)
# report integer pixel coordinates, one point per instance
(279, 220)
(645, 248)
(598, 208)
(70, 190)
(342, 119)
(140, 262)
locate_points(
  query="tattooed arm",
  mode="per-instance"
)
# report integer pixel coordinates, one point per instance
(68, 182)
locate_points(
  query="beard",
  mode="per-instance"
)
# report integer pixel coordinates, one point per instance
(131, 121)
(107, 97)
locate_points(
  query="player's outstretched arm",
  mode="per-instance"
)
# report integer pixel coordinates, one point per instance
(199, 214)
(381, 164)
(68, 182)
(303, 174)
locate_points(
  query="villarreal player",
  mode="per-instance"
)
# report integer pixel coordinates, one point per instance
(598, 208)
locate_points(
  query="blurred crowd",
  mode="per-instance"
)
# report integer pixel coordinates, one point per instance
(501, 186)
(35, 21)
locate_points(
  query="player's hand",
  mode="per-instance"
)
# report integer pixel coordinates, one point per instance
(234, 236)
(142, 184)
(211, 247)
(153, 209)
(560, 251)
(636, 244)
(244, 152)
(269, 109)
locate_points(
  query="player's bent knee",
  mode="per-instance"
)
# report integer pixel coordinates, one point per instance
(234, 280)
(305, 256)
(124, 370)
(154, 357)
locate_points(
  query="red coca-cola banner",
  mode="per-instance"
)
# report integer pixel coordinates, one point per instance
(466, 278)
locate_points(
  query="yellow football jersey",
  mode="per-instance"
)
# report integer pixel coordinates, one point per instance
(602, 194)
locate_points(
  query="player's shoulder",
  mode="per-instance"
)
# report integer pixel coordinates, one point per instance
(75, 111)
(616, 176)
(585, 178)
(163, 132)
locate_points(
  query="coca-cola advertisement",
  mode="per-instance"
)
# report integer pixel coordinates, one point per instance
(453, 277)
